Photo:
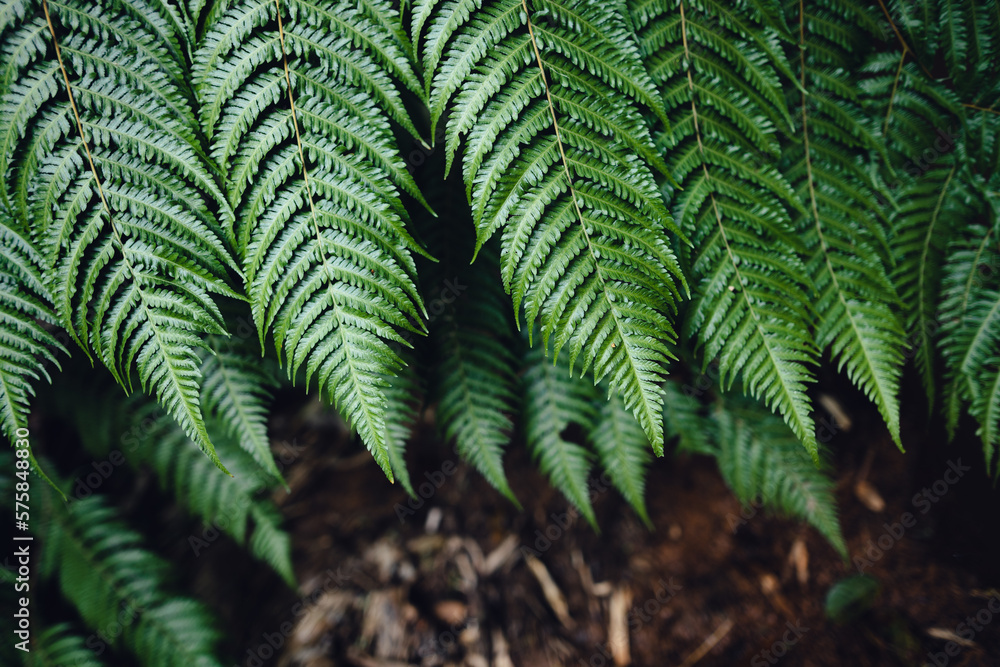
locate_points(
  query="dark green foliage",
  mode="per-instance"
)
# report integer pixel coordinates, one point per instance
(474, 385)
(850, 598)
(717, 66)
(821, 176)
(760, 459)
(60, 646)
(548, 105)
(103, 567)
(553, 401)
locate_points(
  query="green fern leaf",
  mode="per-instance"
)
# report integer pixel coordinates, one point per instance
(131, 251)
(61, 646)
(271, 543)
(751, 300)
(220, 501)
(843, 224)
(550, 110)
(930, 197)
(684, 419)
(970, 313)
(474, 382)
(404, 402)
(929, 211)
(327, 258)
(762, 460)
(623, 450)
(26, 345)
(105, 571)
(553, 400)
(235, 392)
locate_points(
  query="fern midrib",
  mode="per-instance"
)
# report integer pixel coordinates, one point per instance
(970, 281)
(883, 392)
(722, 232)
(646, 407)
(892, 99)
(186, 406)
(369, 416)
(924, 317)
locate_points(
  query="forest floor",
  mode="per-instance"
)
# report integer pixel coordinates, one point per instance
(463, 577)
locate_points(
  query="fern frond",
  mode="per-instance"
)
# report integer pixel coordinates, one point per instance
(684, 418)
(404, 401)
(269, 542)
(61, 646)
(314, 173)
(26, 345)
(623, 450)
(220, 501)
(124, 209)
(968, 38)
(931, 208)
(553, 400)
(751, 291)
(104, 569)
(763, 462)
(843, 223)
(970, 313)
(235, 392)
(555, 156)
(474, 381)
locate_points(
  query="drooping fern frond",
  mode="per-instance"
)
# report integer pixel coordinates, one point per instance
(220, 501)
(235, 393)
(97, 152)
(554, 400)
(26, 345)
(970, 333)
(751, 289)
(843, 224)
(623, 451)
(548, 99)
(474, 382)
(969, 36)
(296, 100)
(104, 569)
(404, 401)
(61, 646)
(684, 418)
(138, 431)
(760, 459)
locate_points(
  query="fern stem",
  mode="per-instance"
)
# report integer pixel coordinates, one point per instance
(892, 96)
(979, 108)
(899, 36)
(79, 127)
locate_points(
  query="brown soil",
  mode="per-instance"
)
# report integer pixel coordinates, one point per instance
(454, 582)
